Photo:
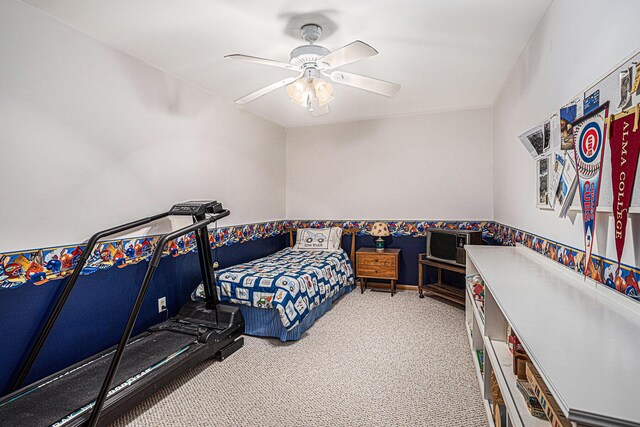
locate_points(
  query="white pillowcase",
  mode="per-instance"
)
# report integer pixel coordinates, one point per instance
(318, 239)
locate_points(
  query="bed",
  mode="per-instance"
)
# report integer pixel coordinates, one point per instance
(283, 294)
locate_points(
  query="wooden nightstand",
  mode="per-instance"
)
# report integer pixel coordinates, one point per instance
(371, 264)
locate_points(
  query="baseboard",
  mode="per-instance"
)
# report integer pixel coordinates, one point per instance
(378, 285)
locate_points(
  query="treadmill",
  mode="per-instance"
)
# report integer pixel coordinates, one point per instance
(101, 388)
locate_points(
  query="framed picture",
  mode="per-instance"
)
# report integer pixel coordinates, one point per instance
(568, 114)
(546, 128)
(543, 183)
(534, 141)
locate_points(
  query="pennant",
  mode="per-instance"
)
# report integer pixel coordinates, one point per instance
(589, 134)
(624, 140)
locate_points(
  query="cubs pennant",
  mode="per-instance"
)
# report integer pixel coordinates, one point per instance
(589, 134)
(624, 140)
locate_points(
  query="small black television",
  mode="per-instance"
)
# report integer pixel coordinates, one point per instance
(446, 245)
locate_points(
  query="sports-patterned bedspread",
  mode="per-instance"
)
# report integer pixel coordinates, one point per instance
(293, 282)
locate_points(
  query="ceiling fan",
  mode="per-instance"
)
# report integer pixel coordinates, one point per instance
(311, 61)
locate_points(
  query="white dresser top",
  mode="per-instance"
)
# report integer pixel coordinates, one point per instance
(584, 340)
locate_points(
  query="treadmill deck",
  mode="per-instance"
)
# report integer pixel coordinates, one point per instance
(74, 388)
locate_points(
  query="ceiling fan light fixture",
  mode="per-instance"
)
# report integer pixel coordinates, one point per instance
(304, 90)
(324, 91)
(296, 91)
(303, 102)
(322, 103)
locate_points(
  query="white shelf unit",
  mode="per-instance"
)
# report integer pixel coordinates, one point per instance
(582, 337)
(474, 321)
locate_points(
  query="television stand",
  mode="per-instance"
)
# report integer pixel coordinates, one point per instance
(439, 289)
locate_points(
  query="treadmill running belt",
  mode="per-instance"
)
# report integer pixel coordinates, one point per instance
(75, 388)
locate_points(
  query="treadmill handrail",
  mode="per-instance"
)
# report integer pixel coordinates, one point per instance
(66, 291)
(157, 254)
(133, 316)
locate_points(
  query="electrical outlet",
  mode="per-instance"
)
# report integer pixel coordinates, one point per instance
(162, 304)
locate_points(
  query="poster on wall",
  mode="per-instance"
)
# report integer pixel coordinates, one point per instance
(591, 102)
(614, 87)
(589, 135)
(624, 140)
(534, 141)
(555, 132)
(568, 114)
(543, 182)
(558, 166)
(568, 184)
(546, 128)
(618, 87)
(636, 81)
(625, 88)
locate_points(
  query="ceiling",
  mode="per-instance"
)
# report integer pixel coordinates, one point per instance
(446, 54)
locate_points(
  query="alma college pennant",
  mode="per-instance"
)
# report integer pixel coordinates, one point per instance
(624, 140)
(589, 133)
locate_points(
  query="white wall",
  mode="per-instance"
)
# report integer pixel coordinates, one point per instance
(72, 108)
(576, 42)
(431, 166)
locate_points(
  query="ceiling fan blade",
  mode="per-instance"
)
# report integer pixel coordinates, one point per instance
(366, 83)
(262, 61)
(350, 53)
(266, 90)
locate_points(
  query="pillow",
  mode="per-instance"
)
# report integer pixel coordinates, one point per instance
(318, 239)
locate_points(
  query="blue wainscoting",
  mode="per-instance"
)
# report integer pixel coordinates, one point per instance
(98, 308)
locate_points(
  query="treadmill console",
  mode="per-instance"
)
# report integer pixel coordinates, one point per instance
(196, 208)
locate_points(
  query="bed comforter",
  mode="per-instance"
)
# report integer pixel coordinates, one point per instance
(292, 282)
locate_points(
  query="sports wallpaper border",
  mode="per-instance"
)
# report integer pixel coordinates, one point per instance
(600, 269)
(43, 265)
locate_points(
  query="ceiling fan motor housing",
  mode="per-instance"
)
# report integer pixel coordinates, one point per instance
(308, 54)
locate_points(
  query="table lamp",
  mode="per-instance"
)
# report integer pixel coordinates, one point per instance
(380, 229)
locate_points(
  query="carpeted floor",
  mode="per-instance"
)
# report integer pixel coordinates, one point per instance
(373, 360)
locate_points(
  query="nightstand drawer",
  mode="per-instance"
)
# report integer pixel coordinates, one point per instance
(379, 272)
(375, 261)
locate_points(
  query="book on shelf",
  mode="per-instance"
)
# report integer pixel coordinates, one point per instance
(530, 398)
(537, 412)
(480, 356)
(547, 401)
(500, 415)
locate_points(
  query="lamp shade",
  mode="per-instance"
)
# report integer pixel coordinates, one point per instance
(304, 91)
(323, 91)
(380, 229)
(297, 91)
